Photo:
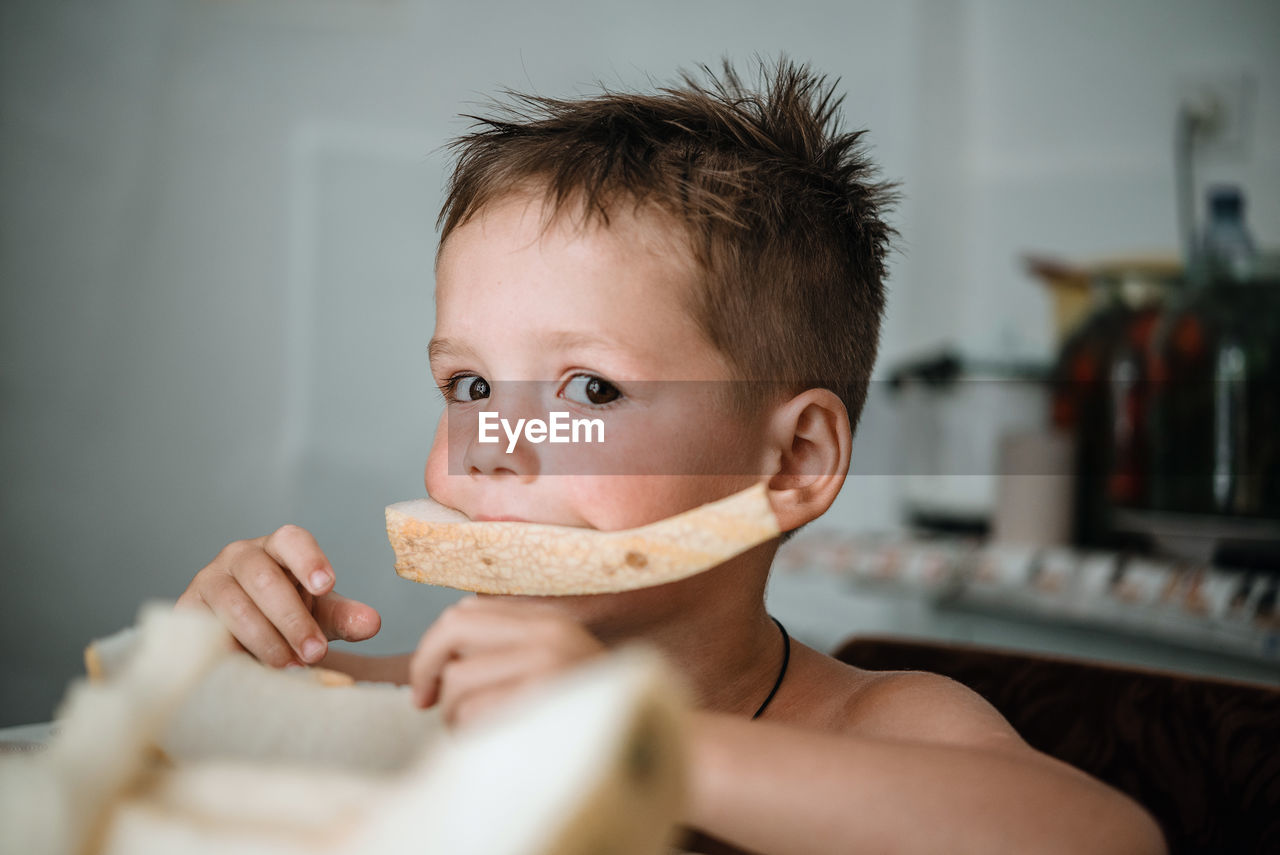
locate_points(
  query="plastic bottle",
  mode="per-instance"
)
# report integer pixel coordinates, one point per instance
(1215, 407)
(1228, 249)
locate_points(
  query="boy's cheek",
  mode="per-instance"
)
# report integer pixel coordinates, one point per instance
(627, 501)
(435, 474)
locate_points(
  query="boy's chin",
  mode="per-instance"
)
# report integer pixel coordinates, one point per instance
(594, 611)
(566, 601)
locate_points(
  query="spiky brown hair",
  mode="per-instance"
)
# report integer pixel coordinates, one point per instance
(782, 213)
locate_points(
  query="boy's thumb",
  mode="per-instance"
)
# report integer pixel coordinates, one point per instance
(343, 619)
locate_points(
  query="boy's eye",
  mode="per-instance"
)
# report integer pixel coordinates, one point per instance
(465, 388)
(591, 390)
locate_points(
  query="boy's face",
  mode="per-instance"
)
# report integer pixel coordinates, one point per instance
(527, 324)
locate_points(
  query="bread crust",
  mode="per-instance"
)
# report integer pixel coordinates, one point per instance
(438, 546)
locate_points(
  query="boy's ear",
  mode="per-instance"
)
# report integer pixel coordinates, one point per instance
(809, 448)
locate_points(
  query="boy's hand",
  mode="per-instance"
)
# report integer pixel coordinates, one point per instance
(479, 652)
(275, 594)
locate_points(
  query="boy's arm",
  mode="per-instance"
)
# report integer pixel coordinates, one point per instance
(371, 669)
(777, 789)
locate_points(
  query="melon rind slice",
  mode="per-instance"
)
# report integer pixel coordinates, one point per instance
(440, 546)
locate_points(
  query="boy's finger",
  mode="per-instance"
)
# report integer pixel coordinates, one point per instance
(250, 627)
(485, 672)
(273, 592)
(190, 599)
(460, 631)
(345, 619)
(466, 709)
(294, 549)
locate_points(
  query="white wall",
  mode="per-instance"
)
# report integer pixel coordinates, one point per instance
(1071, 135)
(218, 221)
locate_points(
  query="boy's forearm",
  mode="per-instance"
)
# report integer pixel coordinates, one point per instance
(776, 789)
(371, 669)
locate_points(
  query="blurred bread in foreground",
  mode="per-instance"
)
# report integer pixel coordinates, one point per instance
(181, 745)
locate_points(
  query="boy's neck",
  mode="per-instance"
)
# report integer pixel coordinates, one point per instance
(713, 628)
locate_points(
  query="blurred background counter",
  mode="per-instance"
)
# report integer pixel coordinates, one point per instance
(829, 586)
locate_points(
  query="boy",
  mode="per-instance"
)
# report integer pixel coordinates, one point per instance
(592, 253)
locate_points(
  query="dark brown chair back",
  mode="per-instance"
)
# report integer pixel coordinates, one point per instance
(1202, 755)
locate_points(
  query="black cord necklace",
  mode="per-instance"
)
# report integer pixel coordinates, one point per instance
(786, 657)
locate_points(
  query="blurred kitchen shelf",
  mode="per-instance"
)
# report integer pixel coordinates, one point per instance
(1195, 619)
(1195, 537)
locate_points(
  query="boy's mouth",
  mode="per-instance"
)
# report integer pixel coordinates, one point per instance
(509, 518)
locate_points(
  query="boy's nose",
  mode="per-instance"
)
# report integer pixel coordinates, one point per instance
(481, 459)
(511, 453)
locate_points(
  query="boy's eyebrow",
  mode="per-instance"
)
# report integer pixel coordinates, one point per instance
(571, 338)
(445, 347)
(439, 347)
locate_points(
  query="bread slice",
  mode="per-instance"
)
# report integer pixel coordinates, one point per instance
(593, 764)
(588, 763)
(242, 709)
(440, 546)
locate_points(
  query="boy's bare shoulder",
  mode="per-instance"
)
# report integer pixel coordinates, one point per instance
(911, 705)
